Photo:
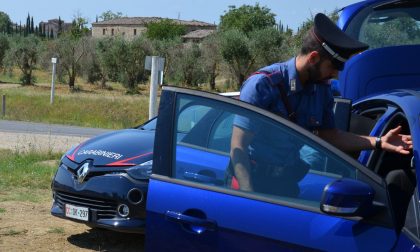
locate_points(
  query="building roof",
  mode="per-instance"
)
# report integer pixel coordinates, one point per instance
(198, 34)
(54, 21)
(146, 20)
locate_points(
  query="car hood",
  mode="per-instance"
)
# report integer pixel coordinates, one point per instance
(118, 148)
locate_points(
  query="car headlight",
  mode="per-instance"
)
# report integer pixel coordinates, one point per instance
(141, 171)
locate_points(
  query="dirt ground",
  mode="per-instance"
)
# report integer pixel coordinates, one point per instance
(26, 226)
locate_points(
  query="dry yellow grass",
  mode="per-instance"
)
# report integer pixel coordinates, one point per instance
(91, 106)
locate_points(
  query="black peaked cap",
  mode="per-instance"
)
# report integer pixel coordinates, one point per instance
(341, 44)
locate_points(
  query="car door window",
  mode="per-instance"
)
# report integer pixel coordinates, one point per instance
(279, 154)
(221, 133)
(190, 116)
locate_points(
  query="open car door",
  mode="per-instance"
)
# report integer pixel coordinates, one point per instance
(192, 206)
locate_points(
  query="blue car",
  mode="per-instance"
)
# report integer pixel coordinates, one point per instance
(103, 181)
(346, 205)
(391, 28)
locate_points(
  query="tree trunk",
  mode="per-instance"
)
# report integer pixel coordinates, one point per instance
(240, 79)
(26, 78)
(213, 75)
(212, 81)
(103, 82)
(72, 79)
(131, 83)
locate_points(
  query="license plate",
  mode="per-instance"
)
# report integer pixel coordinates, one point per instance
(76, 212)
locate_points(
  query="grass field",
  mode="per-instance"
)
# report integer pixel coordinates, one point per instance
(89, 107)
(24, 175)
(14, 76)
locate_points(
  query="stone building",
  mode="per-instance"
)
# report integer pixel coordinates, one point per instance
(131, 27)
(52, 26)
(197, 35)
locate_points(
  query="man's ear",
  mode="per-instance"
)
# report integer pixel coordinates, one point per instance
(314, 57)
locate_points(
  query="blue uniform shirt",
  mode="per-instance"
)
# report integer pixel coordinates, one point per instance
(313, 104)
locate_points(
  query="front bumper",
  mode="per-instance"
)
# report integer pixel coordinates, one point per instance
(102, 195)
(116, 224)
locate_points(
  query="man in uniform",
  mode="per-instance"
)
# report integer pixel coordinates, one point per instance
(298, 90)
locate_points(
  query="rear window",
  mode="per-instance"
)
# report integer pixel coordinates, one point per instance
(392, 24)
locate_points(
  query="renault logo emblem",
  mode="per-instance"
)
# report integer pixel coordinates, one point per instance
(82, 172)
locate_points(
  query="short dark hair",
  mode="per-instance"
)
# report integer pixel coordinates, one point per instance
(310, 43)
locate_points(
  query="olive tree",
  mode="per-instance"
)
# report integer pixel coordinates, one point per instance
(24, 53)
(107, 62)
(266, 46)
(165, 49)
(70, 51)
(130, 57)
(90, 64)
(186, 67)
(236, 52)
(211, 59)
(4, 46)
(249, 39)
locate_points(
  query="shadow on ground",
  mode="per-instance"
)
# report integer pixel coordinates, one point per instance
(105, 240)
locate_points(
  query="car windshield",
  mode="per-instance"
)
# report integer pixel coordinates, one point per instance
(150, 125)
(390, 24)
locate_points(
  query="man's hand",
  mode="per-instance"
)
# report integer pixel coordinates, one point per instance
(393, 141)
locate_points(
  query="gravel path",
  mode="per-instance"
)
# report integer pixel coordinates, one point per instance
(29, 136)
(38, 142)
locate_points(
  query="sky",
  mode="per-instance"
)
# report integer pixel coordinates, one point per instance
(290, 12)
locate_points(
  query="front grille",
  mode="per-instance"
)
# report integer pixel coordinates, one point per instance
(105, 209)
(93, 172)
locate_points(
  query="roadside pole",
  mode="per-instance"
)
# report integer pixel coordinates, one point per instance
(54, 62)
(153, 87)
(155, 64)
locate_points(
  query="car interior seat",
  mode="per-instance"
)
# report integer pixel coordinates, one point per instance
(399, 173)
(401, 184)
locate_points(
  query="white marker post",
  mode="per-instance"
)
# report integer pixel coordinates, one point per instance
(54, 62)
(155, 64)
(154, 77)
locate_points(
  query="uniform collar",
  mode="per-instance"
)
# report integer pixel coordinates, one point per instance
(294, 83)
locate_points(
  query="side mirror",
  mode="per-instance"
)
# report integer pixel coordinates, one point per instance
(347, 197)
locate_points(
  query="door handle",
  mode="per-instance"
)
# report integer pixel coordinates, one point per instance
(194, 224)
